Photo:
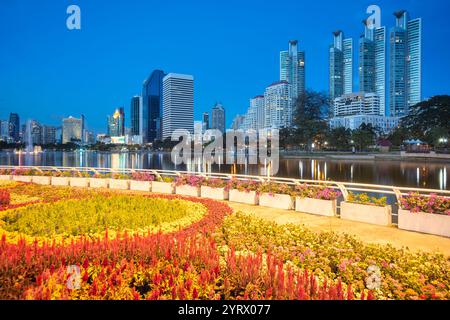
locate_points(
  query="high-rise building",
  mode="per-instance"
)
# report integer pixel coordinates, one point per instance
(239, 122)
(258, 104)
(72, 130)
(405, 64)
(341, 65)
(178, 103)
(116, 123)
(83, 128)
(4, 131)
(205, 121)
(152, 107)
(372, 62)
(14, 126)
(48, 134)
(292, 68)
(136, 116)
(218, 118)
(357, 104)
(278, 105)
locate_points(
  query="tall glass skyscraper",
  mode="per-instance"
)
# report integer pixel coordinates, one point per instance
(152, 93)
(14, 126)
(405, 64)
(136, 115)
(341, 66)
(292, 68)
(218, 118)
(372, 63)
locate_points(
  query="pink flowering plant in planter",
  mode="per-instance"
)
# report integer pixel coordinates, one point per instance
(190, 180)
(272, 189)
(142, 176)
(321, 192)
(244, 185)
(23, 172)
(216, 183)
(415, 202)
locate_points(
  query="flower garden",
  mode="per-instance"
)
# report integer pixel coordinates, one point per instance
(128, 245)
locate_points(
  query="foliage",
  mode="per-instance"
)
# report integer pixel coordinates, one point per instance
(243, 185)
(364, 136)
(143, 176)
(215, 183)
(166, 179)
(276, 188)
(190, 180)
(415, 202)
(364, 198)
(322, 192)
(339, 138)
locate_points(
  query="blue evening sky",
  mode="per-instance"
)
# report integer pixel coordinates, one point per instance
(231, 47)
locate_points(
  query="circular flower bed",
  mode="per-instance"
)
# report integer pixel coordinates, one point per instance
(98, 213)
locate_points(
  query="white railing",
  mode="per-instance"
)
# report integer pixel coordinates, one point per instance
(343, 187)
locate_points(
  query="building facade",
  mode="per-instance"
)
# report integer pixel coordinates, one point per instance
(357, 104)
(116, 123)
(136, 116)
(341, 65)
(152, 107)
(205, 121)
(49, 135)
(292, 68)
(218, 118)
(278, 105)
(405, 64)
(178, 103)
(71, 130)
(14, 127)
(384, 124)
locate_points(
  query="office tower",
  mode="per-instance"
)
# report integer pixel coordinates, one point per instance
(239, 122)
(71, 130)
(83, 128)
(278, 105)
(36, 132)
(405, 64)
(372, 63)
(152, 107)
(205, 121)
(4, 131)
(218, 118)
(258, 104)
(116, 123)
(14, 127)
(292, 68)
(136, 116)
(178, 103)
(48, 134)
(341, 65)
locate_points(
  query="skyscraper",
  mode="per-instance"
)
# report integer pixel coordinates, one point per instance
(14, 127)
(152, 106)
(136, 115)
(292, 68)
(71, 130)
(178, 103)
(278, 105)
(218, 117)
(116, 123)
(205, 121)
(48, 135)
(405, 64)
(372, 63)
(258, 104)
(238, 122)
(341, 65)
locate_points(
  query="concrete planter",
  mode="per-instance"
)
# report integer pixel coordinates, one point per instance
(188, 191)
(163, 187)
(140, 185)
(45, 181)
(244, 197)
(22, 178)
(4, 177)
(366, 213)
(60, 181)
(119, 184)
(437, 224)
(214, 193)
(98, 183)
(316, 206)
(278, 201)
(79, 182)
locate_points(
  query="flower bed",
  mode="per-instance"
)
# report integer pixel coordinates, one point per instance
(316, 200)
(362, 208)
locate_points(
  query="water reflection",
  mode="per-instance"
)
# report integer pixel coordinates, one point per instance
(399, 173)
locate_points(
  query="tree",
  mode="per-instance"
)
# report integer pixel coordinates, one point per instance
(339, 138)
(398, 135)
(429, 120)
(310, 118)
(364, 136)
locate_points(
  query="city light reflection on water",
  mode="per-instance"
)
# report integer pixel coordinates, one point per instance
(398, 173)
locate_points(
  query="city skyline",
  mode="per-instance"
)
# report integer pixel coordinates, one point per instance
(233, 91)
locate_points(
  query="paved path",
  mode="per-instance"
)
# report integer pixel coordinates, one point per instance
(365, 232)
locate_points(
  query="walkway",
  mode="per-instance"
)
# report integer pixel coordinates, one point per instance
(365, 232)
